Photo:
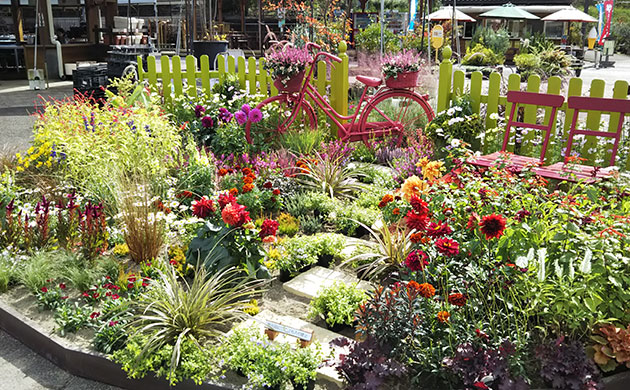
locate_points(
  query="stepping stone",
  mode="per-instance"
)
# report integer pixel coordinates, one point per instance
(320, 335)
(351, 246)
(309, 283)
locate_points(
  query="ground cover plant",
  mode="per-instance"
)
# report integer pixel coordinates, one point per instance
(158, 245)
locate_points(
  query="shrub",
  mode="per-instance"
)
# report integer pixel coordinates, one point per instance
(621, 35)
(337, 304)
(303, 141)
(497, 41)
(481, 55)
(369, 39)
(328, 174)
(527, 64)
(7, 274)
(554, 62)
(267, 364)
(564, 365)
(36, 271)
(195, 362)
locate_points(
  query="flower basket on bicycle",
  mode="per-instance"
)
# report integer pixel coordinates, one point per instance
(402, 80)
(401, 70)
(291, 84)
(287, 66)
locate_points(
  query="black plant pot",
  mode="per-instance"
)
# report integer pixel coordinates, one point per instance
(324, 260)
(306, 268)
(299, 386)
(360, 232)
(210, 48)
(284, 276)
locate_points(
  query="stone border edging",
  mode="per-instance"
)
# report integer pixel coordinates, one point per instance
(85, 364)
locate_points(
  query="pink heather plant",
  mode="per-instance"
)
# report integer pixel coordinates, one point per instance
(287, 62)
(404, 62)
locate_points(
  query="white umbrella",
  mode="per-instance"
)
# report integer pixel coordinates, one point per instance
(447, 14)
(570, 14)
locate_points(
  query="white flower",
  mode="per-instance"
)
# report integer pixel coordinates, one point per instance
(450, 111)
(455, 142)
(452, 121)
(494, 116)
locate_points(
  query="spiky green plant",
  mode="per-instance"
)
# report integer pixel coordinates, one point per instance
(388, 248)
(330, 176)
(174, 310)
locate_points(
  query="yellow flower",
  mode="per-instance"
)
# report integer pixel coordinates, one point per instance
(432, 170)
(413, 186)
(423, 161)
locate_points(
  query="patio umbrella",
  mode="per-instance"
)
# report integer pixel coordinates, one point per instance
(509, 11)
(570, 14)
(447, 14)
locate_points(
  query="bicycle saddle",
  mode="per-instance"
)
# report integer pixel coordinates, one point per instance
(370, 81)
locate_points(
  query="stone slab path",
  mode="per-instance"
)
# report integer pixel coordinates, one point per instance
(309, 283)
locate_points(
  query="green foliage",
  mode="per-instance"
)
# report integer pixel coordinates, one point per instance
(479, 55)
(36, 271)
(227, 89)
(349, 217)
(458, 122)
(497, 41)
(288, 225)
(198, 175)
(267, 364)
(554, 62)
(537, 43)
(330, 176)
(71, 318)
(173, 312)
(229, 139)
(90, 144)
(337, 304)
(303, 141)
(369, 39)
(527, 64)
(311, 224)
(363, 153)
(621, 34)
(110, 337)
(195, 361)
(7, 274)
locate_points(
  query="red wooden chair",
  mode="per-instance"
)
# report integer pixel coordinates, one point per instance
(520, 98)
(570, 171)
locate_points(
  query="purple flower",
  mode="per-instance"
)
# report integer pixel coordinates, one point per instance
(225, 115)
(246, 109)
(241, 117)
(207, 121)
(199, 110)
(255, 115)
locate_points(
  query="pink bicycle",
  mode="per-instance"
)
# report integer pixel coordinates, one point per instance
(387, 112)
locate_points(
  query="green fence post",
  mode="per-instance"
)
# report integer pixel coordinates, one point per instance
(620, 91)
(177, 75)
(151, 73)
(251, 75)
(166, 79)
(141, 72)
(221, 67)
(553, 87)
(459, 77)
(262, 76)
(191, 76)
(575, 89)
(494, 90)
(339, 82)
(321, 77)
(241, 72)
(444, 80)
(204, 73)
(514, 84)
(530, 115)
(476, 79)
(589, 151)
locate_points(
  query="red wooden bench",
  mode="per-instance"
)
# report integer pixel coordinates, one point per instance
(573, 171)
(516, 161)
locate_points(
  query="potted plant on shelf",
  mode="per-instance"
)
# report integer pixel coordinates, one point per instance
(211, 45)
(401, 70)
(287, 67)
(337, 305)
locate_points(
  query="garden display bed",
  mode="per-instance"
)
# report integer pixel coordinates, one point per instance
(174, 252)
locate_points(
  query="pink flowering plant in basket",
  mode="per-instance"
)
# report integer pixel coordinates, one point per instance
(407, 61)
(287, 62)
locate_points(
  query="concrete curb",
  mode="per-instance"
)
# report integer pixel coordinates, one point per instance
(83, 363)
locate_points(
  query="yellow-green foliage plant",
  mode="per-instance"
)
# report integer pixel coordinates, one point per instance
(88, 144)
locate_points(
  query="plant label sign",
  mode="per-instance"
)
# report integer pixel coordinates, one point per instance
(300, 334)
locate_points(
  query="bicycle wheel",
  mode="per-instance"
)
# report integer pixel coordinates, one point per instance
(398, 113)
(281, 113)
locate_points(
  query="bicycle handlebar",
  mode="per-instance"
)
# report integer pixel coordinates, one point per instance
(327, 55)
(310, 45)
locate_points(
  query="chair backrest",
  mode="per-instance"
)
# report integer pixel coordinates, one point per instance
(538, 99)
(606, 105)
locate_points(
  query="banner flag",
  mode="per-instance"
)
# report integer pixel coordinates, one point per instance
(412, 14)
(607, 7)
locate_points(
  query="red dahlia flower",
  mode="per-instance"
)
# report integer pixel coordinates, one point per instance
(235, 215)
(247, 171)
(492, 226)
(473, 221)
(419, 205)
(267, 185)
(184, 194)
(436, 230)
(248, 180)
(416, 260)
(457, 299)
(447, 247)
(386, 199)
(276, 192)
(225, 199)
(234, 191)
(416, 221)
(248, 188)
(269, 228)
(203, 207)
